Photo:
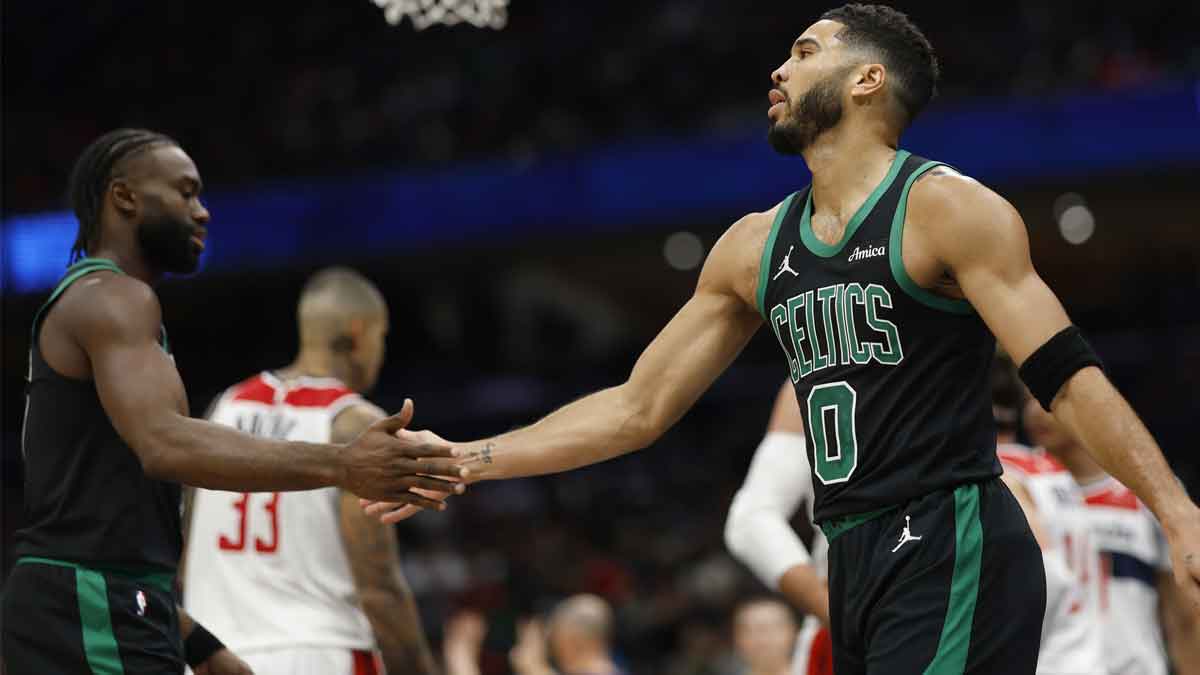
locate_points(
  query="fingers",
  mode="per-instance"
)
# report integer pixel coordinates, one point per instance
(402, 513)
(414, 499)
(398, 421)
(419, 444)
(447, 468)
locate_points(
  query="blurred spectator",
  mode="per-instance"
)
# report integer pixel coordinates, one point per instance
(579, 638)
(764, 632)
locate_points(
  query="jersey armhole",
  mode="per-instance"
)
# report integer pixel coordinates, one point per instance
(74, 273)
(896, 253)
(764, 265)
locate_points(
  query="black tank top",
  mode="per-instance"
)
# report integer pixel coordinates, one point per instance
(892, 380)
(87, 500)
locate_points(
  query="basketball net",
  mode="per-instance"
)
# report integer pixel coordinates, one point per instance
(425, 13)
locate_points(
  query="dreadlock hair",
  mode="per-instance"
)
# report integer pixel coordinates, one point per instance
(902, 47)
(93, 172)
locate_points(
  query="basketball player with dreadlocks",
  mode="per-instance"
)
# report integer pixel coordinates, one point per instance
(107, 437)
(884, 282)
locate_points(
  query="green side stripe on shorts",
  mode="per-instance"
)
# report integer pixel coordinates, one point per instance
(157, 577)
(951, 656)
(99, 643)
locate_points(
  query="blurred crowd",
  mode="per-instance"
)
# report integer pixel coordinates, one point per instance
(277, 88)
(642, 533)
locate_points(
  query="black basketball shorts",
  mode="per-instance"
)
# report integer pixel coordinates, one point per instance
(948, 583)
(65, 619)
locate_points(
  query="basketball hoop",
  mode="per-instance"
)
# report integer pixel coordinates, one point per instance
(425, 13)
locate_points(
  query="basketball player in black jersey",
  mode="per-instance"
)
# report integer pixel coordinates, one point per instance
(884, 281)
(107, 437)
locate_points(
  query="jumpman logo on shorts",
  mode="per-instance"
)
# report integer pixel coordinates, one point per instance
(906, 535)
(786, 266)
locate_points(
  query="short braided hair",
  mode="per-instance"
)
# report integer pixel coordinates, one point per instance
(93, 172)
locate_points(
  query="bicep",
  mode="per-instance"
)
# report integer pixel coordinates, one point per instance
(701, 340)
(136, 380)
(988, 253)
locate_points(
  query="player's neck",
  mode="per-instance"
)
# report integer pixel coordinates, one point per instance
(315, 363)
(781, 670)
(589, 663)
(846, 166)
(1081, 465)
(130, 263)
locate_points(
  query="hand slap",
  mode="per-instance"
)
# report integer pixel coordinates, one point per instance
(387, 461)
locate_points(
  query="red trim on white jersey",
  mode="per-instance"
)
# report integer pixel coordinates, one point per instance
(1022, 459)
(309, 393)
(254, 389)
(1112, 494)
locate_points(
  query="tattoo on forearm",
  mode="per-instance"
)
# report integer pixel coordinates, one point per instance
(483, 456)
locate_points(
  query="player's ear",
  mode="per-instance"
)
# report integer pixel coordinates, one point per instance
(344, 343)
(869, 78)
(123, 198)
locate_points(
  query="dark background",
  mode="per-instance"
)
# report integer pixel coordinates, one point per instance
(493, 327)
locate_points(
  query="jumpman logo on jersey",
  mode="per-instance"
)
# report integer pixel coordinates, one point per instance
(786, 266)
(906, 535)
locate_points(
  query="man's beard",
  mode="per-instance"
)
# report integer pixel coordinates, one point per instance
(167, 244)
(818, 111)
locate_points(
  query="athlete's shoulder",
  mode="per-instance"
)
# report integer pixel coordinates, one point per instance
(735, 258)
(107, 304)
(943, 197)
(350, 421)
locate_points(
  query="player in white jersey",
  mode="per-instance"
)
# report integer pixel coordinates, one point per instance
(1142, 612)
(304, 582)
(1072, 639)
(758, 533)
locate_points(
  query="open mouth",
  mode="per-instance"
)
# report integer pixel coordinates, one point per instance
(197, 241)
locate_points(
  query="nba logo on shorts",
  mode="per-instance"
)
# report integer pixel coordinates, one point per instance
(141, 603)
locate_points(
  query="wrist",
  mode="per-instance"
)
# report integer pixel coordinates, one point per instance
(200, 645)
(1180, 518)
(335, 469)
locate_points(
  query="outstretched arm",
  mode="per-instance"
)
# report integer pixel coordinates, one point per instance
(757, 529)
(115, 320)
(679, 365)
(981, 241)
(371, 550)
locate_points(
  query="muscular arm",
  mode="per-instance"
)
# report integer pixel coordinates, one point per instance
(679, 365)
(981, 241)
(115, 320)
(372, 552)
(757, 529)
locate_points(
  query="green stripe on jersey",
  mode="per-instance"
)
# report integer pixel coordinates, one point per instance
(951, 656)
(820, 248)
(764, 265)
(99, 642)
(896, 255)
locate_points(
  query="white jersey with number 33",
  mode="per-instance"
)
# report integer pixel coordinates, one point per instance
(269, 570)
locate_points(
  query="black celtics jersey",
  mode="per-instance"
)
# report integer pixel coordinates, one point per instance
(87, 499)
(892, 380)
